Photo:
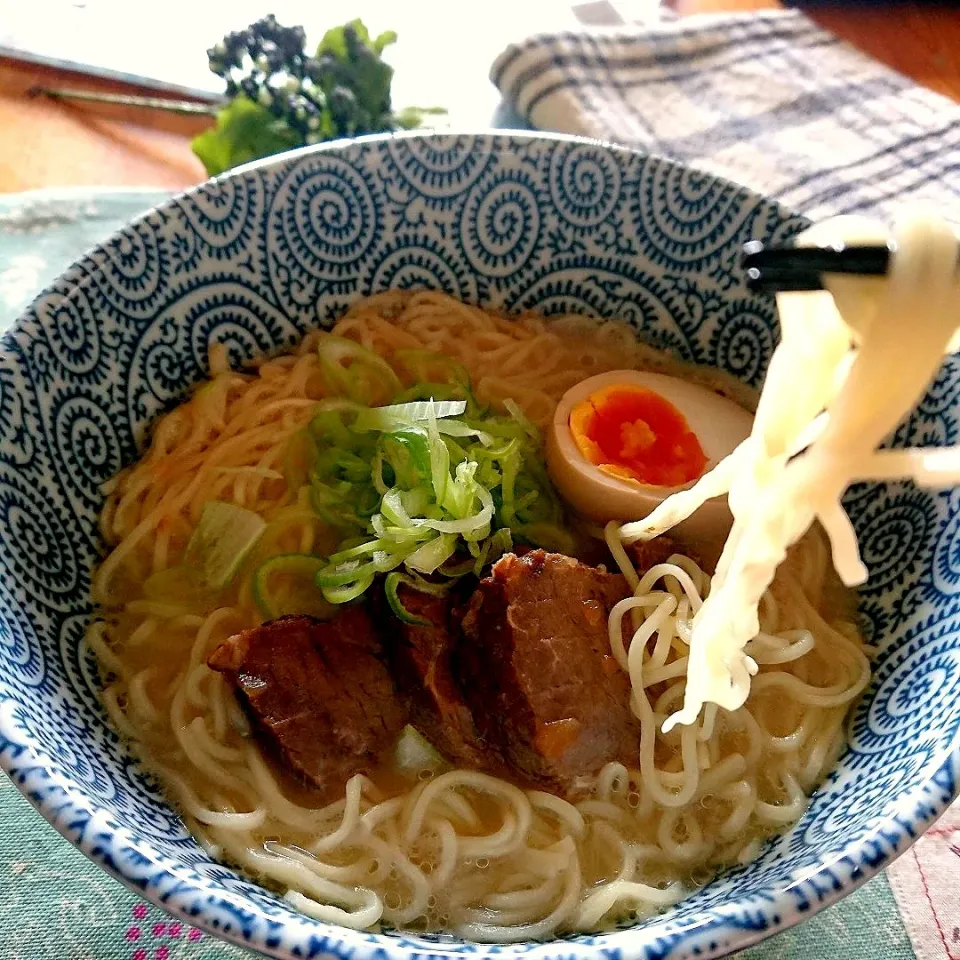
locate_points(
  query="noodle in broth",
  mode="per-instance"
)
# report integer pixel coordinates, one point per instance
(461, 850)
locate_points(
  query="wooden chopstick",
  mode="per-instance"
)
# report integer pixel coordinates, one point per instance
(127, 100)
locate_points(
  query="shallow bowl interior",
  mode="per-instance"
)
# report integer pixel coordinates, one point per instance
(520, 222)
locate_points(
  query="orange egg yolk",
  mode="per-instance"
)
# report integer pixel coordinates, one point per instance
(634, 433)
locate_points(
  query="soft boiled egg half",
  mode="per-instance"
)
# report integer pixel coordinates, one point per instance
(622, 442)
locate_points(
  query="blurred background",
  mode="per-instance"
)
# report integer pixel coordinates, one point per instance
(442, 57)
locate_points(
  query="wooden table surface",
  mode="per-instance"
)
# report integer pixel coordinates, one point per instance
(44, 144)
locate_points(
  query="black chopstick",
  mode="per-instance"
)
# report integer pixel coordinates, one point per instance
(774, 269)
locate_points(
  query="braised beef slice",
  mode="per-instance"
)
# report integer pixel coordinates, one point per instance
(535, 667)
(420, 656)
(318, 693)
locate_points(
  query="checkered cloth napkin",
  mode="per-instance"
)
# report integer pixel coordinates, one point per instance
(766, 99)
(771, 101)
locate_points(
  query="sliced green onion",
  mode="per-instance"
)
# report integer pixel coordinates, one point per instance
(408, 454)
(351, 369)
(510, 405)
(399, 535)
(416, 582)
(388, 419)
(390, 587)
(223, 537)
(286, 584)
(468, 525)
(331, 418)
(354, 552)
(462, 493)
(418, 500)
(391, 506)
(340, 575)
(456, 428)
(410, 486)
(510, 467)
(376, 474)
(432, 554)
(348, 592)
(384, 560)
(439, 461)
(414, 753)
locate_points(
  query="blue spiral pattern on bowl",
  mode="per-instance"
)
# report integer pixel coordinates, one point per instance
(260, 256)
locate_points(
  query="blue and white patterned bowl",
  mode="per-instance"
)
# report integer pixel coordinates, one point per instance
(260, 256)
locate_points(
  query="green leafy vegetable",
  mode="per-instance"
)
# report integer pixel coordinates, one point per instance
(279, 97)
(244, 131)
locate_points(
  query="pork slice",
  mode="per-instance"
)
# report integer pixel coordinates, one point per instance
(535, 666)
(318, 693)
(420, 655)
(645, 554)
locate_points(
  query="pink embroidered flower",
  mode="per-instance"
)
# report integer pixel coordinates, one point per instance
(161, 930)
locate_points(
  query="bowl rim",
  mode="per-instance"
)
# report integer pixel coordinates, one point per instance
(61, 801)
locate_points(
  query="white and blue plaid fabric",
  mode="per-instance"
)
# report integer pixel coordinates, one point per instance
(766, 99)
